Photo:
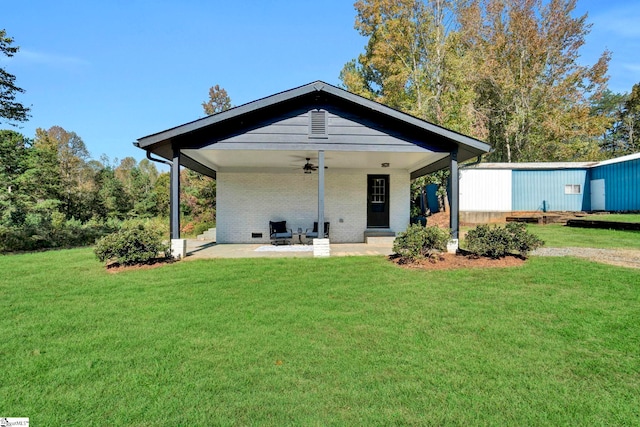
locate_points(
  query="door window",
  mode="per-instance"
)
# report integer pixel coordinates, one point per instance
(378, 191)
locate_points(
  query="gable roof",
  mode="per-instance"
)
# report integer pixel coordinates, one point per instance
(208, 130)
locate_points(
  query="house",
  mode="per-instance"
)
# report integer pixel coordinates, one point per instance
(312, 153)
(492, 190)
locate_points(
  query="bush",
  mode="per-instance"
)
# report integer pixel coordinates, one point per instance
(497, 242)
(421, 242)
(132, 244)
(39, 232)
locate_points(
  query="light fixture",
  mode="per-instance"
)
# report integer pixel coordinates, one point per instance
(384, 165)
(307, 171)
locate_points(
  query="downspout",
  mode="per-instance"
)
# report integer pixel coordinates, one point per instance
(467, 165)
(166, 162)
(174, 219)
(178, 246)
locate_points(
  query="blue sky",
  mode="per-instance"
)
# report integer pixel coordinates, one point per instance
(113, 71)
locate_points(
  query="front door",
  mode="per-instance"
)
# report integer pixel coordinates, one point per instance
(377, 201)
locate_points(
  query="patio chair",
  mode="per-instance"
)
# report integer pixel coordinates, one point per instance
(279, 233)
(313, 233)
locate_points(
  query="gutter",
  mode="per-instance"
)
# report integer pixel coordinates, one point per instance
(166, 162)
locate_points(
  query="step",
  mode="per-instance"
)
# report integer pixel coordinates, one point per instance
(210, 234)
(379, 237)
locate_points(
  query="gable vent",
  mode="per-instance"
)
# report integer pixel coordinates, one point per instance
(318, 124)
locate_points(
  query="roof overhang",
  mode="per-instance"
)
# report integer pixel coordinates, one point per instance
(207, 145)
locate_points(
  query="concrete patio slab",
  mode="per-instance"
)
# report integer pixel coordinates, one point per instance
(203, 249)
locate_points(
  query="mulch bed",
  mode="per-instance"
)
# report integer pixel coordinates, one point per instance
(116, 267)
(456, 261)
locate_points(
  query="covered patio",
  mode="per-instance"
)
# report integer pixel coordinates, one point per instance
(315, 153)
(203, 249)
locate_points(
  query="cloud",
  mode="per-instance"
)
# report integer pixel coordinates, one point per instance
(621, 20)
(52, 59)
(631, 67)
(26, 56)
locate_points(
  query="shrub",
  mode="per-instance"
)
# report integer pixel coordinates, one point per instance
(497, 242)
(132, 244)
(421, 242)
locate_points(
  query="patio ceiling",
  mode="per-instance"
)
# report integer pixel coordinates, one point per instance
(289, 160)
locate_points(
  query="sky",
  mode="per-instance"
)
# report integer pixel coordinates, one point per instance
(113, 71)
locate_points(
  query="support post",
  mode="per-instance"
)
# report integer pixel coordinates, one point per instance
(174, 217)
(321, 194)
(321, 245)
(454, 207)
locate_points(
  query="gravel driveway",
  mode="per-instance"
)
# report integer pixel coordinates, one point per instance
(620, 257)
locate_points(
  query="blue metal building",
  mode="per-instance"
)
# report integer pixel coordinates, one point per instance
(612, 185)
(550, 190)
(620, 183)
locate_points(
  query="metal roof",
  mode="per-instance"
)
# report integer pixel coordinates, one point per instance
(552, 165)
(533, 165)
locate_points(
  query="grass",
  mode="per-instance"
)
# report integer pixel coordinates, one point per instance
(557, 235)
(615, 217)
(338, 341)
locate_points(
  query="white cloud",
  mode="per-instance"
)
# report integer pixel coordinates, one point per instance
(26, 56)
(621, 20)
(631, 67)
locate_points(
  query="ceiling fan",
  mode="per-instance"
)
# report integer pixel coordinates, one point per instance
(309, 167)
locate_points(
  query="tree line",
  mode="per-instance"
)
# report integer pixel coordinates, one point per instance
(52, 193)
(507, 72)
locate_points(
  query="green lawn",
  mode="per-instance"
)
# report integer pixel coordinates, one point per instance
(338, 341)
(557, 235)
(615, 217)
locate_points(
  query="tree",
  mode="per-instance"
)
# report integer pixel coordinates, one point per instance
(112, 201)
(14, 153)
(612, 106)
(218, 101)
(72, 156)
(629, 123)
(138, 181)
(199, 196)
(504, 71)
(412, 61)
(10, 110)
(534, 95)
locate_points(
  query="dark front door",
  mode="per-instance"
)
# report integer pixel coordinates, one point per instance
(377, 201)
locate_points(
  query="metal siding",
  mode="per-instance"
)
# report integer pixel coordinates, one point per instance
(544, 190)
(483, 190)
(622, 185)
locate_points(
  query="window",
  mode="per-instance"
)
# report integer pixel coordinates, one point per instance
(572, 189)
(377, 193)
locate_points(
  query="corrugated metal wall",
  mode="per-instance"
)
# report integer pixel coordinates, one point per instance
(544, 190)
(485, 190)
(622, 185)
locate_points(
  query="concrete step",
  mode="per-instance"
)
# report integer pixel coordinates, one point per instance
(379, 237)
(210, 234)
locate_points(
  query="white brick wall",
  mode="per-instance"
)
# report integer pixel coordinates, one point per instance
(247, 201)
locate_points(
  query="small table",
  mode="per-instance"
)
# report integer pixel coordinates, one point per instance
(300, 236)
